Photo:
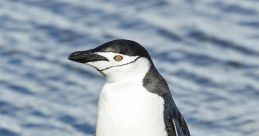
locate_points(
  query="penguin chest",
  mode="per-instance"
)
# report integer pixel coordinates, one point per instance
(130, 110)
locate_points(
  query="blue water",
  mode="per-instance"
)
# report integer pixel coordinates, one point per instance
(208, 51)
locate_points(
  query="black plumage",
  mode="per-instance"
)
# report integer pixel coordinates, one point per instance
(175, 124)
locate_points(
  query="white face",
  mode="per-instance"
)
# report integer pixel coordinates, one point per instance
(121, 67)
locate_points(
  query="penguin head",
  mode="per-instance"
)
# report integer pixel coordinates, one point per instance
(117, 60)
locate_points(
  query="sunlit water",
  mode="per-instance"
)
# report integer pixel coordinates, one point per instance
(208, 51)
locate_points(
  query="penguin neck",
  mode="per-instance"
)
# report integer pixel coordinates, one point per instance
(155, 83)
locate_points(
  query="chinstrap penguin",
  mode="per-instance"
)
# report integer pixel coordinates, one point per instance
(135, 99)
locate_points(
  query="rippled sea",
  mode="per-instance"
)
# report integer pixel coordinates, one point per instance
(208, 51)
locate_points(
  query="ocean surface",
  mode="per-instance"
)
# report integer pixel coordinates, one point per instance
(208, 51)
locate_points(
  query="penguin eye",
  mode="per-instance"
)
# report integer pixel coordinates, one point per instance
(118, 58)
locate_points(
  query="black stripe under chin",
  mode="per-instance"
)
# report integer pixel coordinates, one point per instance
(121, 64)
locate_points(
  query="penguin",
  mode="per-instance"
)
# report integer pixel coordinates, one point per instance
(135, 99)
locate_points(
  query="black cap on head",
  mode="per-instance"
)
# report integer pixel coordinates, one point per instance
(121, 46)
(125, 47)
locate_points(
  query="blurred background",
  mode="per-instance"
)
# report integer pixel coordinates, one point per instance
(208, 51)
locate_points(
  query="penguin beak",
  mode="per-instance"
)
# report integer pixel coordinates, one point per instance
(86, 56)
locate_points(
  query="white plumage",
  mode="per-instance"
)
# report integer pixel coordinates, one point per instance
(135, 99)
